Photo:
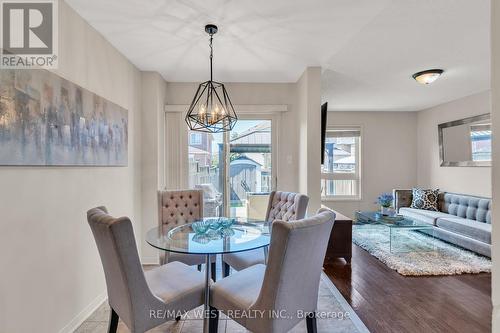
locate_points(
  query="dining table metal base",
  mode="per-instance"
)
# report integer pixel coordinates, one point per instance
(206, 306)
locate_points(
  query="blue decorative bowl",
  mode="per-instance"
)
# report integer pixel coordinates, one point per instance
(201, 239)
(200, 227)
(215, 224)
(226, 232)
(226, 223)
(213, 234)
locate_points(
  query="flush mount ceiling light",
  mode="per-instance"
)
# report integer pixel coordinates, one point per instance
(428, 76)
(211, 109)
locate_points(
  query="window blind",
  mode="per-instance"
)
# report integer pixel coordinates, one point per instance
(343, 133)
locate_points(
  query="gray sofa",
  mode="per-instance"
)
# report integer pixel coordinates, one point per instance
(463, 220)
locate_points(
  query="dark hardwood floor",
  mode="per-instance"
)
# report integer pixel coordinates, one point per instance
(388, 302)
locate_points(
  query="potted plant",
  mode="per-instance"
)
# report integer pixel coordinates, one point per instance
(385, 201)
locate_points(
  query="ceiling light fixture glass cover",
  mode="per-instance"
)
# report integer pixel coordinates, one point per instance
(428, 76)
(211, 109)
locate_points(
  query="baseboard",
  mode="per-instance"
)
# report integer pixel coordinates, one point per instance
(153, 260)
(84, 314)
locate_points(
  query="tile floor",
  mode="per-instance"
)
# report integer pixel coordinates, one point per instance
(329, 301)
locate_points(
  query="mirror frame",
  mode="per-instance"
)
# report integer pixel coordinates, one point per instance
(457, 123)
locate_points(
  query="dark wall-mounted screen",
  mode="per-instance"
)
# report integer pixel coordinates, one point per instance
(324, 114)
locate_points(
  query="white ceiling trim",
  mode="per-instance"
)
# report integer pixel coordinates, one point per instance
(239, 108)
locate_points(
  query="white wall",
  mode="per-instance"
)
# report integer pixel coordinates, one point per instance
(153, 155)
(301, 102)
(495, 90)
(51, 270)
(469, 180)
(309, 106)
(388, 154)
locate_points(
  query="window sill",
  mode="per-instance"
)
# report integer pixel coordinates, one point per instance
(331, 199)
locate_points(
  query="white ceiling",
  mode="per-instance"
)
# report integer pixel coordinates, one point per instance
(368, 49)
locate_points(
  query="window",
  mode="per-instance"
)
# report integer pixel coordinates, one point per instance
(195, 139)
(480, 136)
(340, 173)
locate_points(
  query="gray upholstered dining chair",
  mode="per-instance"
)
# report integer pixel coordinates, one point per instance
(285, 206)
(142, 300)
(176, 208)
(287, 285)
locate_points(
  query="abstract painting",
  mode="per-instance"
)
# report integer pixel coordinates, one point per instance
(47, 120)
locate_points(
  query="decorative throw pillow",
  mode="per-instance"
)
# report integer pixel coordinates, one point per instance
(425, 199)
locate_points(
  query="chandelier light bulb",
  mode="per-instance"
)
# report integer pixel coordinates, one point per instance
(214, 117)
(202, 112)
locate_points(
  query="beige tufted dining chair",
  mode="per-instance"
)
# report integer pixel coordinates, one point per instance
(133, 294)
(176, 208)
(273, 298)
(285, 206)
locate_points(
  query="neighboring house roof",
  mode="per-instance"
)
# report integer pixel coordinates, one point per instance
(197, 151)
(257, 157)
(480, 135)
(341, 152)
(243, 159)
(260, 133)
(346, 160)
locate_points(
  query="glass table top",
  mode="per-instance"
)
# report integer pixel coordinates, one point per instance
(391, 222)
(212, 235)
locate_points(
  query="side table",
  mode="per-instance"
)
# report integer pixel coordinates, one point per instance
(340, 243)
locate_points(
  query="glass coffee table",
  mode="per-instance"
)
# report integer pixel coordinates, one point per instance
(399, 229)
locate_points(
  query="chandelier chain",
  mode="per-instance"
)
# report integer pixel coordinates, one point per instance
(211, 55)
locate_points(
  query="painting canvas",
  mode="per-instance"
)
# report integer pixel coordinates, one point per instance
(47, 120)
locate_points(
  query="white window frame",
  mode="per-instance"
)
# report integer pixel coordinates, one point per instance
(347, 176)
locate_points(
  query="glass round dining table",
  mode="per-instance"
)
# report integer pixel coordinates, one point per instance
(211, 236)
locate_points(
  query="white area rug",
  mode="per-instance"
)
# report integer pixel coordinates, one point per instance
(438, 257)
(339, 317)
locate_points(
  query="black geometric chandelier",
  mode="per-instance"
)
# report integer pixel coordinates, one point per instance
(211, 109)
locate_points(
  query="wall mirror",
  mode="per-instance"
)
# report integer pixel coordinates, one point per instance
(466, 142)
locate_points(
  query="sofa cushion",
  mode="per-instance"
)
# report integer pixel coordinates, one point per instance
(425, 199)
(426, 216)
(471, 228)
(468, 207)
